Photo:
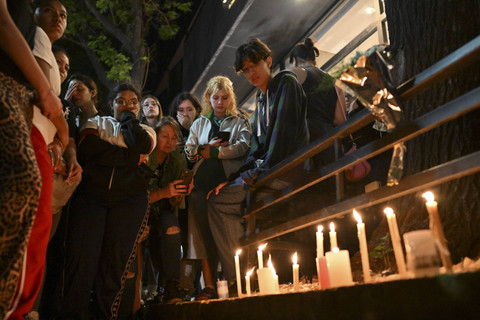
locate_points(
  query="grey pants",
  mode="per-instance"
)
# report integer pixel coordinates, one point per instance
(226, 223)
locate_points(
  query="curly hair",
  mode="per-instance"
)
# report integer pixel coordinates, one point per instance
(213, 86)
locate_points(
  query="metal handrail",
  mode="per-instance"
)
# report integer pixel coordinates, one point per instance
(454, 62)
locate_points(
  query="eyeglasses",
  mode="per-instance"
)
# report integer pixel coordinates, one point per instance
(249, 69)
(125, 103)
(253, 66)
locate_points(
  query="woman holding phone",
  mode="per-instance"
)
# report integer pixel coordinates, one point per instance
(167, 190)
(220, 155)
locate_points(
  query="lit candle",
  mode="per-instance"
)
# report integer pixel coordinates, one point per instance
(266, 279)
(333, 236)
(339, 269)
(275, 276)
(260, 255)
(295, 267)
(320, 241)
(247, 281)
(436, 227)
(237, 271)
(362, 240)
(396, 241)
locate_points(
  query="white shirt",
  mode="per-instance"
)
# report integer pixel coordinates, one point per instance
(43, 50)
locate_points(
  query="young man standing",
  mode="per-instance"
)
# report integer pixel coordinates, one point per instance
(279, 130)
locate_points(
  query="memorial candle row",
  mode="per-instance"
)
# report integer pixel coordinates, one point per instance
(333, 267)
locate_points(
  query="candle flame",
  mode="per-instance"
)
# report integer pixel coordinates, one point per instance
(332, 227)
(262, 247)
(335, 249)
(238, 252)
(388, 211)
(428, 196)
(249, 273)
(357, 216)
(270, 264)
(320, 229)
(294, 259)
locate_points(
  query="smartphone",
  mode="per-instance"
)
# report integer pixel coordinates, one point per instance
(224, 135)
(186, 176)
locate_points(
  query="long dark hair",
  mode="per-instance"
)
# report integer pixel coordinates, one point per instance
(305, 51)
(88, 82)
(141, 115)
(182, 96)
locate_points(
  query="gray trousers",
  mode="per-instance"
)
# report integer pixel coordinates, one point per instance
(226, 223)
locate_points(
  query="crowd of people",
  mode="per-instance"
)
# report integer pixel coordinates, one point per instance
(93, 205)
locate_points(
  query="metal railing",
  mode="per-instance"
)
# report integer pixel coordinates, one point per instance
(466, 165)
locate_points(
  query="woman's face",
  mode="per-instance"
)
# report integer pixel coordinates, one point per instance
(166, 139)
(82, 96)
(186, 109)
(125, 101)
(52, 18)
(220, 102)
(151, 109)
(63, 64)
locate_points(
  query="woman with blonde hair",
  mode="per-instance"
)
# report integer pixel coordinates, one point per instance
(218, 142)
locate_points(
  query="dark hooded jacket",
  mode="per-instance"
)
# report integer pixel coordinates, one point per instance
(279, 125)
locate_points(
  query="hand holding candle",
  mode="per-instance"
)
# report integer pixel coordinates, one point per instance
(362, 240)
(295, 267)
(396, 241)
(237, 271)
(333, 237)
(437, 229)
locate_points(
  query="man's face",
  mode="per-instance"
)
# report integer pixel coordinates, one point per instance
(258, 73)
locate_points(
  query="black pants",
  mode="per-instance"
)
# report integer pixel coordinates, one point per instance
(100, 247)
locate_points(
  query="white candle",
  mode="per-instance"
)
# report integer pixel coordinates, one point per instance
(247, 282)
(260, 255)
(362, 240)
(320, 241)
(237, 271)
(339, 269)
(275, 276)
(266, 281)
(333, 237)
(437, 229)
(396, 241)
(295, 267)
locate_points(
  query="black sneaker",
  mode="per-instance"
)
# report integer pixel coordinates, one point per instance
(172, 294)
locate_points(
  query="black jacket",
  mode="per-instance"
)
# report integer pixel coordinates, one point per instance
(112, 170)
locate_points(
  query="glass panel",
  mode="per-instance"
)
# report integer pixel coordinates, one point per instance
(345, 29)
(364, 46)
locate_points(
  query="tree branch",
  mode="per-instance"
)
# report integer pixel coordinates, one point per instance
(97, 66)
(114, 31)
